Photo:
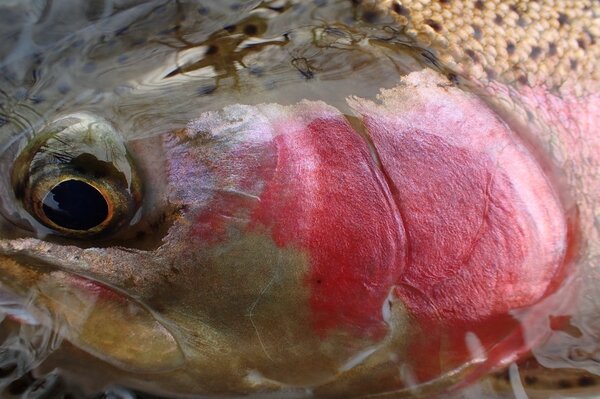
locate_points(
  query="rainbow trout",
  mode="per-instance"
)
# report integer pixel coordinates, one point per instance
(300, 199)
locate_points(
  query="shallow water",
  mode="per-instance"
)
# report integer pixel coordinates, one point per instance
(149, 68)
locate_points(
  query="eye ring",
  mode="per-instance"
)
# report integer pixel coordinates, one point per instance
(77, 178)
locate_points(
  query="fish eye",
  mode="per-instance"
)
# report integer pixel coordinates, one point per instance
(77, 178)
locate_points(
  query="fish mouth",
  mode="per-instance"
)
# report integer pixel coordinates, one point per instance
(93, 316)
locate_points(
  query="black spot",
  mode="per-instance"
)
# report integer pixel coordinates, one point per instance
(230, 28)
(319, 281)
(400, 9)
(445, 1)
(250, 30)
(585, 381)
(573, 63)
(212, 49)
(552, 49)
(491, 74)
(513, 8)
(202, 10)
(562, 19)
(530, 380)
(370, 16)
(479, 4)
(434, 25)
(472, 55)
(510, 48)
(498, 20)
(521, 22)
(582, 44)
(75, 205)
(452, 77)
(523, 79)
(535, 52)
(565, 384)
(477, 32)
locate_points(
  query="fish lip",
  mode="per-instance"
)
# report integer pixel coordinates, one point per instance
(42, 264)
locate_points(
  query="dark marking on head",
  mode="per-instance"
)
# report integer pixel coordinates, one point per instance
(499, 20)
(530, 380)
(212, 49)
(552, 50)
(521, 22)
(250, 29)
(586, 381)
(400, 9)
(452, 77)
(564, 384)
(582, 44)
(535, 52)
(479, 4)
(434, 25)
(445, 1)
(370, 16)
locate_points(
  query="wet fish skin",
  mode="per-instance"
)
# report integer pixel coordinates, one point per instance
(536, 63)
(509, 94)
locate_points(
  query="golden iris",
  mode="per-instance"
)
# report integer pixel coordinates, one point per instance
(77, 178)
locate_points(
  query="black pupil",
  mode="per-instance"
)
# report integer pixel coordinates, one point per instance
(75, 205)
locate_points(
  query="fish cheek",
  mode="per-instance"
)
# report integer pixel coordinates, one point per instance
(242, 306)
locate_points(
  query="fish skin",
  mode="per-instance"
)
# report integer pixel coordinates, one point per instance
(537, 94)
(537, 63)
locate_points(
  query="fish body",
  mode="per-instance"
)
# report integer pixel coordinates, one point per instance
(406, 240)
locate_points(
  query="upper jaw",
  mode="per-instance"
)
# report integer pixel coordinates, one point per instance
(56, 290)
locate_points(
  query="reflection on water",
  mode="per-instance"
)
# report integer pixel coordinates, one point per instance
(136, 72)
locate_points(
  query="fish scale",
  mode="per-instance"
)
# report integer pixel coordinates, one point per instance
(528, 42)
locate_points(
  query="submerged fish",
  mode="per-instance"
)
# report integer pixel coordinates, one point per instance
(284, 198)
